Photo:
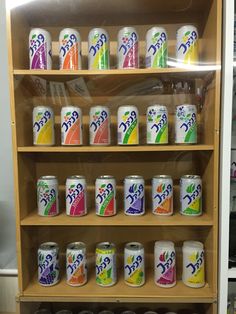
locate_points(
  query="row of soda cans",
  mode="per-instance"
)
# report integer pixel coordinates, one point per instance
(127, 125)
(40, 48)
(193, 271)
(45, 311)
(134, 195)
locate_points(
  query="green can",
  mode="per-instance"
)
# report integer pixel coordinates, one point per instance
(98, 49)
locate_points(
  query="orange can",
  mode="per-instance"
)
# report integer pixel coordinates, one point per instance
(162, 195)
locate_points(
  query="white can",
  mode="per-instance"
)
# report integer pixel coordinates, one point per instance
(99, 126)
(186, 124)
(76, 196)
(134, 264)
(47, 196)
(71, 126)
(128, 125)
(98, 49)
(193, 264)
(134, 198)
(187, 45)
(105, 196)
(191, 195)
(69, 49)
(106, 264)
(165, 264)
(162, 195)
(40, 49)
(128, 48)
(157, 124)
(43, 126)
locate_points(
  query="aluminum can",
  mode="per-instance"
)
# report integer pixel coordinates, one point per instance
(162, 195)
(40, 49)
(98, 49)
(165, 264)
(69, 49)
(191, 195)
(47, 196)
(105, 196)
(186, 124)
(106, 264)
(128, 125)
(76, 196)
(157, 124)
(134, 198)
(187, 45)
(43, 126)
(48, 264)
(76, 265)
(128, 48)
(134, 264)
(99, 126)
(193, 264)
(71, 126)
(156, 48)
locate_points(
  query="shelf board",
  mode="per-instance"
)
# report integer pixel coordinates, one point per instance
(232, 273)
(91, 219)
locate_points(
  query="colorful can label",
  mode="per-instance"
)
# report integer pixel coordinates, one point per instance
(69, 49)
(165, 264)
(193, 264)
(47, 196)
(106, 264)
(186, 124)
(134, 264)
(191, 195)
(156, 48)
(99, 126)
(43, 126)
(98, 49)
(128, 125)
(105, 196)
(134, 198)
(162, 195)
(48, 264)
(76, 267)
(233, 165)
(128, 48)
(187, 44)
(40, 49)
(76, 200)
(71, 126)
(157, 124)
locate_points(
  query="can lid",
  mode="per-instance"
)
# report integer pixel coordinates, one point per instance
(105, 177)
(187, 105)
(127, 107)
(48, 178)
(48, 246)
(76, 177)
(42, 108)
(97, 30)
(165, 244)
(74, 246)
(134, 246)
(85, 312)
(70, 107)
(162, 176)
(106, 312)
(134, 177)
(127, 29)
(105, 246)
(190, 176)
(99, 107)
(156, 106)
(193, 245)
(128, 312)
(150, 312)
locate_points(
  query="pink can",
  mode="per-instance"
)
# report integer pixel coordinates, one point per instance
(76, 201)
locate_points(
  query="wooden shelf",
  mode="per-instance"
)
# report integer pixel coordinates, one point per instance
(91, 219)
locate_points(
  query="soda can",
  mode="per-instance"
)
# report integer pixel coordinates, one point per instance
(98, 49)
(156, 48)
(157, 124)
(48, 264)
(43, 126)
(128, 125)
(106, 264)
(76, 267)
(162, 195)
(47, 196)
(186, 124)
(69, 49)
(128, 48)
(191, 195)
(187, 45)
(134, 198)
(76, 196)
(193, 264)
(71, 126)
(134, 264)
(99, 126)
(165, 264)
(105, 196)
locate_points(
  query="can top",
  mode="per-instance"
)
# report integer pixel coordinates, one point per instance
(157, 29)
(98, 30)
(99, 107)
(48, 246)
(68, 29)
(190, 176)
(193, 245)
(40, 30)
(42, 108)
(85, 312)
(106, 312)
(48, 178)
(165, 244)
(128, 312)
(105, 246)
(104, 177)
(127, 29)
(134, 246)
(74, 246)
(74, 177)
(70, 107)
(186, 26)
(162, 176)
(134, 177)
(186, 105)
(156, 106)
(150, 312)
(127, 107)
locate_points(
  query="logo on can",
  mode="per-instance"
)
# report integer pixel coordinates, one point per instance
(47, 196)
(71, 126)
(186, 124)
(105, 264)
(43, 126)
(157, 124)
(98, 41)
(191, 195)
(99, 126)
(156, 48)
(187, 44)
(128, 124)
(134, 200)
(105, 196)
(76, 204)
(127, 48)
(162, 195)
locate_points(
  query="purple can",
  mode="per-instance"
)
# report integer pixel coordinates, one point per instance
(134, 199)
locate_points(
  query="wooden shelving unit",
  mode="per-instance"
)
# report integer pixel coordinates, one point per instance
(114, 88)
